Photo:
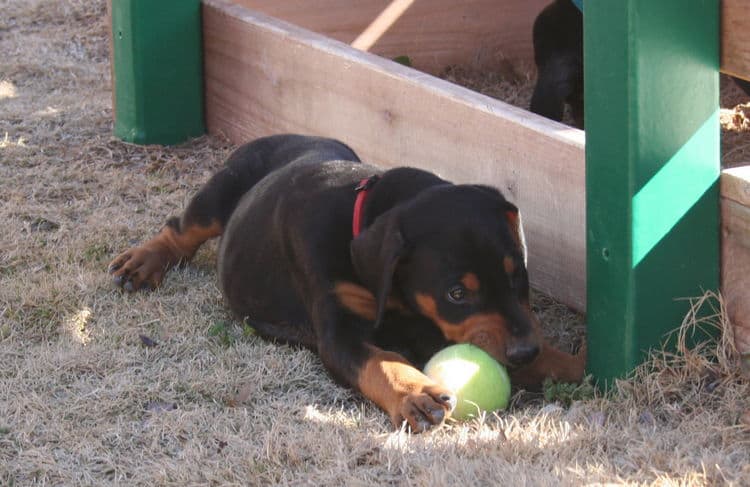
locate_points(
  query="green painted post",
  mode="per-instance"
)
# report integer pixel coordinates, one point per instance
(158, 70)
(652, 171)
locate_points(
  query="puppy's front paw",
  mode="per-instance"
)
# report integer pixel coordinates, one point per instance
(139, 268)
(425, 409)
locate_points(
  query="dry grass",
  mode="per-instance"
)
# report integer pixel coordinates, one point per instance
(84, 400)
(735, 124)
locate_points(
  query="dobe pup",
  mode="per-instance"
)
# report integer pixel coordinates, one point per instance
(558, 54)
(373, 270)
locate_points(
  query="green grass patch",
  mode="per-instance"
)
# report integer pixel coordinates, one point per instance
(405, 60)
(226, 333)
(97, 253)
(221, 331)
(566, 393)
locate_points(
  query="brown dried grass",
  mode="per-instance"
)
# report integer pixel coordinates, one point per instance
(84, 400)
(735, 124)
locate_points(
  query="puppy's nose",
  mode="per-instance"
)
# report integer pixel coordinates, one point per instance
(522, 353)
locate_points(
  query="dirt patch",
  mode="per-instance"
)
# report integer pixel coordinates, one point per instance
(735, 124)
(99, 387)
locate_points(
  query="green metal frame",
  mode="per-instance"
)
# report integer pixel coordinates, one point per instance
(652, 171)
(158, 70)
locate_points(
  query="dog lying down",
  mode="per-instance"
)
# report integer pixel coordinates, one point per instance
(373, 270)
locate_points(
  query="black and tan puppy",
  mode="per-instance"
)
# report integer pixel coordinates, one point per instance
(435, 263)
(558, 54)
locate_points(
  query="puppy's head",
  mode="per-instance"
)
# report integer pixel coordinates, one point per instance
(456, 255)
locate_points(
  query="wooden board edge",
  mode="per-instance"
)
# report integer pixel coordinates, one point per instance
(736, 269)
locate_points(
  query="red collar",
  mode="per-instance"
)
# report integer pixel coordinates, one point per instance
(362, 189)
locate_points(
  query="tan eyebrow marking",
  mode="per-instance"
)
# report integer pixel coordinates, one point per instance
(470, 281)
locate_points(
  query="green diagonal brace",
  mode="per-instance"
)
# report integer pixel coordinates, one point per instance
(652, 171)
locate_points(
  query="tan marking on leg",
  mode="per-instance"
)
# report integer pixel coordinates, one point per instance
(552, 363)
(185, 243)
(147, 263)
(387, 376)
(509, 265)
(402, 391)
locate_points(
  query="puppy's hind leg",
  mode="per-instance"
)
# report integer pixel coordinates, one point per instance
(144, 266)
(207, 213)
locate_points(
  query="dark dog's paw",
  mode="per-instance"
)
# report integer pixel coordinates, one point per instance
(139, 268)
(424, 410)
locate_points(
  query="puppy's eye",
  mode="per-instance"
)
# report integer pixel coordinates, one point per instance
(457, 294)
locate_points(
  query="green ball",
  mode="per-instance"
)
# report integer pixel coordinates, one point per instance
(479, 382)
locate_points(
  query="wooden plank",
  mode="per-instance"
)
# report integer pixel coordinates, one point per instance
(735, 184)
(736, 269)
(735, 260)
(735, 38)
(433, 33)
(265, 76)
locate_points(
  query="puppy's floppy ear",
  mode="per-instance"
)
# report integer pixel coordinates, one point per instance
(513, 217)
(375, 254)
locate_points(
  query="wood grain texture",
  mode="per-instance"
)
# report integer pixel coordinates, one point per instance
(264, 76)
(735, 258)
(735, 38)
(433, 33)
(735, 184)
(735, 269)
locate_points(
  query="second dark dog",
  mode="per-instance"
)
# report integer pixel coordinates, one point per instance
(558, 54)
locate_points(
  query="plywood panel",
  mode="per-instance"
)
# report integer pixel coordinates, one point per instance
(264, 76)
(735, 184)
(433, 33)
(735, 38)
(736, 268)
(735, 222)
